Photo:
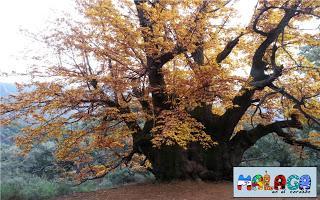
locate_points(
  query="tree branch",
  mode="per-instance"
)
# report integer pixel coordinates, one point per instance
(229, 120)
(260, 103)
(298, 103)
(125, 160)
(248, 138)
(288, 138)
(258, 65)
(228, 48)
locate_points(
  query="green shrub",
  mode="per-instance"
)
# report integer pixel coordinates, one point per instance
(125, 176)
(10, 191)
(86, 187)
(29, 187)
(105, 183)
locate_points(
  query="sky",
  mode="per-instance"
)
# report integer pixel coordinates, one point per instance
(15, 45)
(17, 48)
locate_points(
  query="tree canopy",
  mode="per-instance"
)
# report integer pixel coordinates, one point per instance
(163, 76)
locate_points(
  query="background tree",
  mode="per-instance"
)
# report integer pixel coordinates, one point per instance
(158, 78)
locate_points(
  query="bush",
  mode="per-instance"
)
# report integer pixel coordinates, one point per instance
(23, 186)
(28, 187)
(10, 191)
(86, 187)
(125, 176)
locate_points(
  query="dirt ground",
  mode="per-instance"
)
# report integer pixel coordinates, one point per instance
(166, 191)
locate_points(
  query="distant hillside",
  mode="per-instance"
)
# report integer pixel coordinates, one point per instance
(7, 89)
(7, 132)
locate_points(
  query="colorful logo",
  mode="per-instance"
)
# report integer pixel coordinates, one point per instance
(259, 182)
(275, 182)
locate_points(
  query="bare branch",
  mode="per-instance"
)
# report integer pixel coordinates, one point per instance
(123, 160)
(298, 103)
(260, 103)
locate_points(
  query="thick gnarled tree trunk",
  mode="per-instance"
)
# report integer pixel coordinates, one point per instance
(216, 163)
(173, 162)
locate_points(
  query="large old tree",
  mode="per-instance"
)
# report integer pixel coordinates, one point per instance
(179, 82)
